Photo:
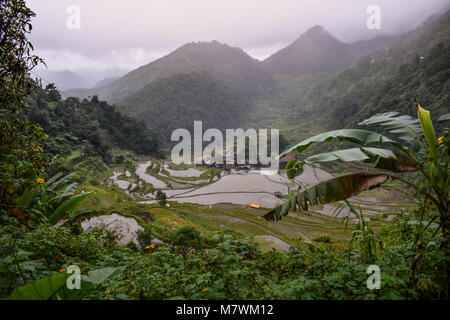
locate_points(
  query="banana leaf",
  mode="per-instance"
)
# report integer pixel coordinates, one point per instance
(404, 127)
(64, 209)
(329, 191)
(43, 289)
(25, 199)
(55, 286)
(362, 137)
(370, 155)
(61, 182)
(50, 181)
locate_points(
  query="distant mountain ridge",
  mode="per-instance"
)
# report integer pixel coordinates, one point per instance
(232, 65)
(64, 79)
(318, 51)
(417, 67)
(105, 81)
(313, 52)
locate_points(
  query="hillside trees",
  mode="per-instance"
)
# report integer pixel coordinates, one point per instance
(92, 125)
(21, 158)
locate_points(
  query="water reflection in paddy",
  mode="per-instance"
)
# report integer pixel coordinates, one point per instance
(242, 183)
(263, 199)
(188, 173)
(140, 171)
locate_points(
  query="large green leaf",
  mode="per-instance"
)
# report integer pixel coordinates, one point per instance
(60, 183)
(356, 154)
(66, 194)
(55, 286)
(43, 289)
(404, 127)
(362, 137)
(50, 181)
(75, 294)
(329, 191)
(99, 276)
(428, 130)
(25, 199)
(292, 167)
(70, 205)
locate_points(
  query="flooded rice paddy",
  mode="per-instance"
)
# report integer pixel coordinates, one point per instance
(238, 186)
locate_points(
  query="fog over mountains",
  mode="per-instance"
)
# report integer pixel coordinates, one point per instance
(83, 78)
(313, 52)
(225, 87)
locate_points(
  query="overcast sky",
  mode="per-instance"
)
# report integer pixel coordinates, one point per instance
(126, 34)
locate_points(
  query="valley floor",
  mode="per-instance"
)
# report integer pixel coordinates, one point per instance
(232, 201)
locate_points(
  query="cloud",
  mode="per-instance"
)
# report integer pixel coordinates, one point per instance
(135, 32)
(118, 59)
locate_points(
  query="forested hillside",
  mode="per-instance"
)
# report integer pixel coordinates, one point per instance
(317, 51)
(299, 89)
(388, 80)
(176, 102)
(231, 65)
(91, 125)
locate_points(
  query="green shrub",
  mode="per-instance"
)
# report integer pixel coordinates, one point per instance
(325, 238)
(186, 239)
(144, 237)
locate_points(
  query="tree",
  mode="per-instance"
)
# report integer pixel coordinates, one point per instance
(417, 149)
(21, 158)
(161, 197)
(53, 94)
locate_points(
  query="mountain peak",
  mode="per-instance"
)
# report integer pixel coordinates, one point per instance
(315, 30)
(315, 51)
(205, 46)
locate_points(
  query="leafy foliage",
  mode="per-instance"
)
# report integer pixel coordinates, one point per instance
(42, 289)
(144, 237)
(232, 269)
(53, 200)
(413, 257)
(21, 159)
(161, 197)
(430, 158)
(91, 125)
(185, 98)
